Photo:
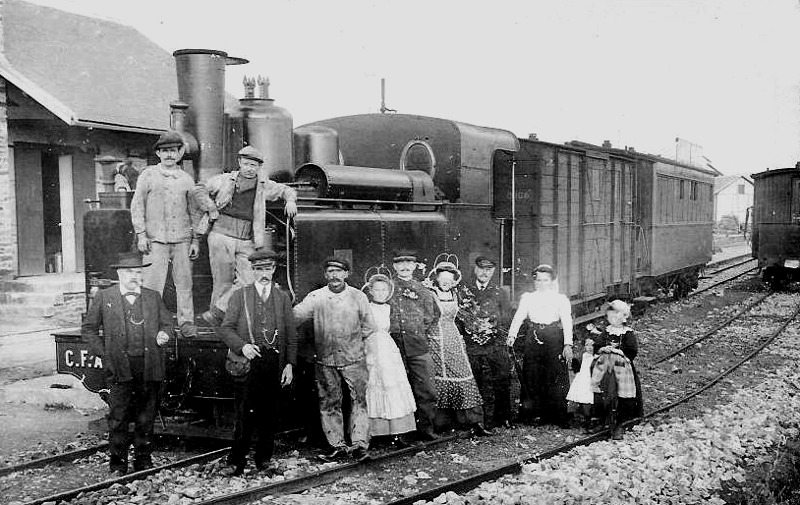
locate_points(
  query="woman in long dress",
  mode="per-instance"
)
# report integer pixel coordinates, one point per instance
(458, 398)
(390, 402)
(548, 349)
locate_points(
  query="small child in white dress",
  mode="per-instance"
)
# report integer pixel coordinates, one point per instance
(390, 402)
(580, 396)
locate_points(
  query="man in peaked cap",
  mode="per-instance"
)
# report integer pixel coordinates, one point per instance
(236, 203)
(342, 321)
(414, 317)
(259, 325)
(136, 326)
(165, 227)
(484, 321)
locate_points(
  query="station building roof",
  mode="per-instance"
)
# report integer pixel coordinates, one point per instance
(88, 72)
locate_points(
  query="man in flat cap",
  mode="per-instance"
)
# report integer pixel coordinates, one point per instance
(136, 326)
(414, 316)
(484, 318)
(342, 321)
(259, 325)
(162, 217)
(236, 203)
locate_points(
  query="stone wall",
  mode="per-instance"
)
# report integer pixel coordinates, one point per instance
(8, 203)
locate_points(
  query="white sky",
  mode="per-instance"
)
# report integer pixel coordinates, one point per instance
(724, 74)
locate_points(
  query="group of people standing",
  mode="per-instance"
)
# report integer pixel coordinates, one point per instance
(414, 357)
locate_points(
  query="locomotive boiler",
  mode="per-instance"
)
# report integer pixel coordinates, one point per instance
(613, 222)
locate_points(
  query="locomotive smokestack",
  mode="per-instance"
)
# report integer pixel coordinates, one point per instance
(201, 84)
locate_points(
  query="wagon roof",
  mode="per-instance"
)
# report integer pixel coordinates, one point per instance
(778, 171)
(87, 71)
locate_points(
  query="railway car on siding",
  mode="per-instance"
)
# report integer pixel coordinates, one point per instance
(776, 225)
(613, 222)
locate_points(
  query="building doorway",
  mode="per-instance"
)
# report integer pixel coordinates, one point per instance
(51, 213)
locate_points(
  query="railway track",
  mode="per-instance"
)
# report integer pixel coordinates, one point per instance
(272, 490)
(273, 493)
(732, 272)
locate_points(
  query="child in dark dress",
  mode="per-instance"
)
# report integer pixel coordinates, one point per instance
(618, 391)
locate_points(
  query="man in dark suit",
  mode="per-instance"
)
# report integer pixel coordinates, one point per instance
(259, 325)
(136, 326)
(484, 318)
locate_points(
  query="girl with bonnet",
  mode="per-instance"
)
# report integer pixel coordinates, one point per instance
(390, 402)
(618, 391)
(548, 348)
(458, 398)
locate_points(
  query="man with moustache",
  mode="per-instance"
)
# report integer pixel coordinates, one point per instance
(235, 203)
(136, 326)
(162, 217)
(342, 321)
(483, 318)
(414, 316)
(259, 325)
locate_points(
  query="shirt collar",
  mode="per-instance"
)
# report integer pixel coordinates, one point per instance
(123, 291)
(260, 288)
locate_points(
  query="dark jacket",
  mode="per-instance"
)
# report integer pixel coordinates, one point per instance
(414, 317)
(234, 330)
(107, 312)
(491, 304)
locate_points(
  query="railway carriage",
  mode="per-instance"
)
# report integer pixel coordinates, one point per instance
(776, 225)
(613, 222)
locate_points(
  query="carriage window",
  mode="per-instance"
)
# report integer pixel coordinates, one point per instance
(680, 192)
(693, 196)
(418, 155)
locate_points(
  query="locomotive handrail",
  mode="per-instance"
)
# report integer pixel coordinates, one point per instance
(374, 202)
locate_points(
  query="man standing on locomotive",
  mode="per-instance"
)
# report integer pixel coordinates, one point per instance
(162, 219)
(484, 317)
(136, 326)
(414, 317)
(342, 321)
(235, 203)
(259, 325)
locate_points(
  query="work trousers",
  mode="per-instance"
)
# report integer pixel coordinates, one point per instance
(420, 376)
(155, 276)
(491, 367)
(329, 385)
(135, 400)
(256, 401)
(230, 266)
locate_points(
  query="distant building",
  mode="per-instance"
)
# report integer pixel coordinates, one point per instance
(77, 96)
(733, 195)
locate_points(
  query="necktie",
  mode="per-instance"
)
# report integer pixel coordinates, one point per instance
(132, 293)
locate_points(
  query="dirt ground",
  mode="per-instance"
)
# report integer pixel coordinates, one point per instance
(32, 431)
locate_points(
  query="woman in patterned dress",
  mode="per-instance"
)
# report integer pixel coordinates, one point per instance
(390, 402)
(458, 398)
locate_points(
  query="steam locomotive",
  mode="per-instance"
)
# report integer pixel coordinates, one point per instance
(613, 222)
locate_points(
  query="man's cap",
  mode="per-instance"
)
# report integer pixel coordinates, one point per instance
(169, 138)
(485, 262)
(404, 255)
(251, 153)
(337, 262)
(130, 260)
(263, 257)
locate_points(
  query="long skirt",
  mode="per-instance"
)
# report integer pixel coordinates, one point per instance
(545, 377)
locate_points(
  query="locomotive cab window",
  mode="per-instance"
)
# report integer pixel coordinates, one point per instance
(418, 155)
